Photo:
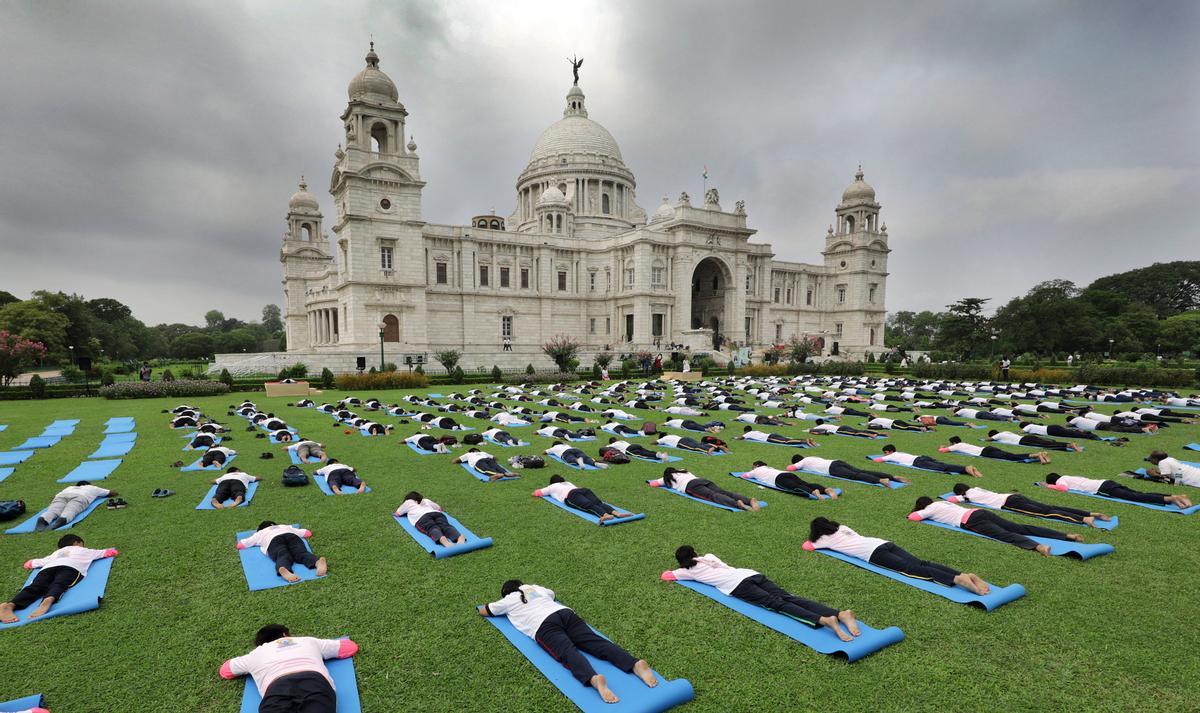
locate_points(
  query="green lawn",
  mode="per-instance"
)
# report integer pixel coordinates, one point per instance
(1117, 632)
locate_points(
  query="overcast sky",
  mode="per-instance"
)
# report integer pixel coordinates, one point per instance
(148, 149)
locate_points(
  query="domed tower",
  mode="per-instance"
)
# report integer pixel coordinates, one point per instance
(305, 256)
(581, 160)
(553, 213)
(856, 258)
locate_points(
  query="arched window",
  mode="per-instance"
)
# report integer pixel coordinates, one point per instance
(562, 187)
(496, 225)
(391, 328)
(558, 228)
(604, 204)
(379, 138)
(849, 224)
(716, 283)
(306, 231)
(872, 336)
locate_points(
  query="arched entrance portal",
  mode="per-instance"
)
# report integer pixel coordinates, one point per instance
(711, 285)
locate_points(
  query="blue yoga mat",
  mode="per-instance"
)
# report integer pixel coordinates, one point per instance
(119, 424)
(323, 484)
(58, 431)
(572, 465)
(688, 450)
(894, 484)
(3, 427)
(342, 673)
(618, 434)
(911, 467)
(14, 457)
(635, 696)
(5, 472)
(129, 437)
(1100, 524)
(474, 542)
(742, 477)
(206, 503)
(592, 518)
(418, 450)
(1058, 548)
(84, 596)
(260, 570)
(91, 470)
(201, 449)
(997, 597)
(28, 525)
(1149, 506)
(214, 466)
(972, 455)
(64, 423)
(23, 704)
(110, 449)
(670, 458)
(990, 442)
(38, 442)
(480, 476)
(821, 640)
(761, 503)
(1193, 446)
(518, 444)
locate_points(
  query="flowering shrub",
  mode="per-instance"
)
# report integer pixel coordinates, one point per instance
(16, 353)
(382, 380)
(562, 349)
(160, 389)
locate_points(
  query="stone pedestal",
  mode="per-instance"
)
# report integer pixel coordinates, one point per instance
(698, 340)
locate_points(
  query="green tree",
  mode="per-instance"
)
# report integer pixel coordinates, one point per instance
(238, 340)
(214, 320)
(33, 320)
(195, 345)
(272, 320)
(965, 328)
(1180, 333)
(1169, 288)
(6, 297)
(448, 359)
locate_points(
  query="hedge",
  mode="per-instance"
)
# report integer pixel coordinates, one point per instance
(544, 377)
(1135, 376)
(160, 389)
(382, 380)
(953, 370)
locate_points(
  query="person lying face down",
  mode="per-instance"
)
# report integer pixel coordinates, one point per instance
(483, 462)
(956, 445)
(531, 609)
(685, 482)
(284, 544)
(426, 442)
(636, 449)
(338, 474)
(788, 482)
(749, 433)
(986, 523)
(891, 455)
(842, 469)
(232, 486)
(429, 519)
(217, 455)
(60, 570)
(1173, 470)
(1018, 503)
(572, 455)
(202, 441)
(579, 498)
(829, 534)
(68, 503)
(290, 671)
(753, 587)
(1113, 489)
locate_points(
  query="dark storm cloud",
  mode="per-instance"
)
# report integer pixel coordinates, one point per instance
(148, 149)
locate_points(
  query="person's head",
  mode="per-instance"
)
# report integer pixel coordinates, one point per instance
(821, 526)
(759, 464)
(955, 439)
(331, 461)
(512, 585)
(747, 429)
(669, 476)
(70, 541)
(557, 479)
(270, 633)
(472, 450)
(960, 489)
(1157, 456)
(796, 458)
(992, 433)
(414, 496)
(922, 502)
(265, 524)
(1052, 478)
(1022, 424)
(889, 449)
(686, 556)
(84, 482)
(820, 422)
(556, 443)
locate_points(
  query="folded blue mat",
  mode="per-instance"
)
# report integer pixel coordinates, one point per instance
(1149, 506)
(480, 476)
(112, 450)
(618, 434)
(62, 423)
(342, 673)
(91, 470)
(1100, 524)
(1193, 446)
(38, 442)
(206, 503)
(592, 518)
(216, 442)
(260, 570)
(214, 466)
(821, 639)
(518, 444)
(901, 465)
(14, 457)
(997, 597)
(84, 596)
(418, 450)
(635, 696)
(670, 458)
(894, 484)
(5, 472)
(761, 503)
(572, 465)
(474, 542)
(742, 477)
(688, 450)
(323, 484)
(23, 704)
(28, 525)
(1058, 548)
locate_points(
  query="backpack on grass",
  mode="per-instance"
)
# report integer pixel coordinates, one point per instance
(294, 476)
(11, 509)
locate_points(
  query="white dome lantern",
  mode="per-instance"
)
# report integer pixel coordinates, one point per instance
(859, 191)
(371, 84)
(302, 201)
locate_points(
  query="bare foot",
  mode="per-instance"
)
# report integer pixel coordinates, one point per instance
(462, 540)
(606, 517)
(847, 617)
(42, 608)
(981, 585)
(1075, 447)
(832, 494)
(1102, 516)
(1090, 521)
(1075, 538)
(1043, 550)
(974, 472)
(831, 623)
(966, 581)
(754, 504)
(642, 670)
(601, 687)
(288, 575)
(217, 504)
(6, 613)
(444, 541)
(322, 567)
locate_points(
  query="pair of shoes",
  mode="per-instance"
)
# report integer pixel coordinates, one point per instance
(116, 504)
(267, 455)
(177, 464)
(162, 493)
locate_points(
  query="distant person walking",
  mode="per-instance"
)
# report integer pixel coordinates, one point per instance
(145, 371)
(1004, 364)
(507, 344)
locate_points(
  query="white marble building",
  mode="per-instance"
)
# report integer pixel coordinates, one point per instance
(577, 256)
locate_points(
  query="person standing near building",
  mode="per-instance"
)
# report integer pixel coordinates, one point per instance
(1004, 364)
(508, 344)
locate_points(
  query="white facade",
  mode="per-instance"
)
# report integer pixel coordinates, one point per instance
(577, 256)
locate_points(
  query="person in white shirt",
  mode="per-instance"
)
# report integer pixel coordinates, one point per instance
(617, 413)
(579, 498)
(704, 489)
(636, 449)
(337, 474)
(201, 441)
(750, 434)
(1113, 489)
(69, 502)
(1032, 441)
(1176, 471)
(620, 429)
(890, 424)
(232, 486)
(483, 462)
(827, 534)
(753, 587)
(572, 456)
(500, 436)
(290, 671)
(986, 523)
(308, 451)
(957, 446)
(891, 455)
(684, 443)
(683, 411)
(217, 455)
(284, 544)
(829, 428)
(429, 518)
(787, 481)
(61, 570)
(1018, 503)
(842, 469)
(427, 442)
(531, 609)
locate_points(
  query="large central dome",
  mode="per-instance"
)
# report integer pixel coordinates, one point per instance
(575, 133)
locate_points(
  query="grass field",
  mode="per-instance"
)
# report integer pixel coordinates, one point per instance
(1114, 633)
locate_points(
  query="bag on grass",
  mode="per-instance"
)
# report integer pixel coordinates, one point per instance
(530, 461)
(293, 476)
(11, 509)
(614, 456)
(472, 439)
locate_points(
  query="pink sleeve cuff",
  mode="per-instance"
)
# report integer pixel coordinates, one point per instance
(308, 533)
(241, 545)
(954, 499)
(111, 552)
(227, 671)
(347, 649)
(943, 450)
(537, 493)
(808, 545)
(656, 483)
(39, 709)
(878, 460)
(1058, 487)
(915, 516)
(28, 564)
(667, 576)
(792, 467)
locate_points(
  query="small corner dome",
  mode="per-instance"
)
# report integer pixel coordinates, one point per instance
(552, 195)
(302, 201)
(665, 211)
(371, 84)
(859, 191)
